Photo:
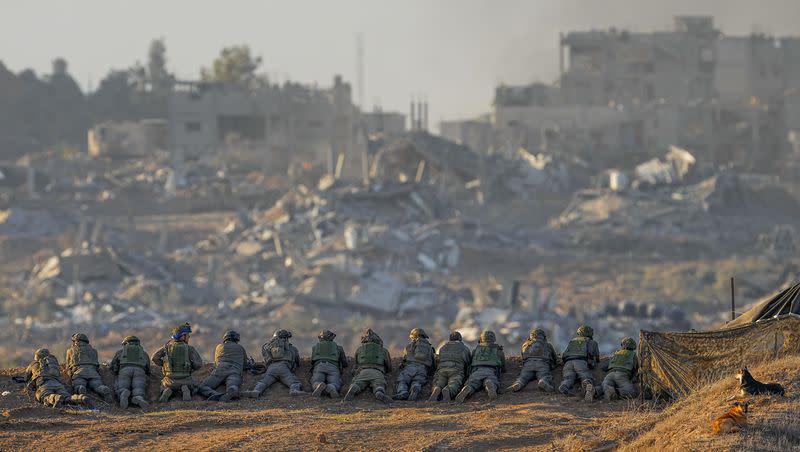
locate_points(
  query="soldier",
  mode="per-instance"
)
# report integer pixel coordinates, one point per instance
(131, 365)
(281, 359)
(622, 369)
(580, 357)
(488, 362)
(454, 361)
(82, 366)
(372, 364)
(230, 360)
(178, 360)
(539, 359)
(418, 362)
(43, 376)
(327, 360)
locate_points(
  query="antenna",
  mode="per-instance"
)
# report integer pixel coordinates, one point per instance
(360, 68)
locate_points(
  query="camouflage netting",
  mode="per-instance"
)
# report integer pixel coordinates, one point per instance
(787, 301)
(674, 364)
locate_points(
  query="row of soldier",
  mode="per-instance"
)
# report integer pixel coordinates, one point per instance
(457, 372)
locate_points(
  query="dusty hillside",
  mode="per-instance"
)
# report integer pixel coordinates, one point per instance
(526, 420)
(686, 425)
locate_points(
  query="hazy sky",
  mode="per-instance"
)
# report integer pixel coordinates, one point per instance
(454, 51)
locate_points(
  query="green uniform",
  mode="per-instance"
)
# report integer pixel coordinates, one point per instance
(281, 359)
(372, 364)
(229, 364)
(539, 359)
(83, 366)
(418, 363)
(43, 377)
(622, 367)
(131, 365)
(178, 361)
(328, 359)
(454, 362)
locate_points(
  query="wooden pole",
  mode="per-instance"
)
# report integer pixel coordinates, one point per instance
(733, 298)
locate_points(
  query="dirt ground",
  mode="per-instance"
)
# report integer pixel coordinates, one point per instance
(530, 419)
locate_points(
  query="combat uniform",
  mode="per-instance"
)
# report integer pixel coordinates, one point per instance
(454, 362)
(230, 360)
(372, 364)
(580, 357)
(539, 359)
(622, 369)
(281, 359)
(488, 362)
(418, 362)
(43, 377)
(178, 360)
(131, 365)
(83, 365)
(328, 360)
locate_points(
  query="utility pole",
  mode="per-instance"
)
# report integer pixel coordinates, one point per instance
(360, 69)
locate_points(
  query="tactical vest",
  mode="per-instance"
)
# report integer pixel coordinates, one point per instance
(325, 351)
(83, 355)
(278, 350)
(452, 352)
(486, 355)
(47, 368)
(133, 355)
(421, 353)
(578, 347)
(178, 365)
(622, 360)
(370, 354)
(537, 349)
(231, 353)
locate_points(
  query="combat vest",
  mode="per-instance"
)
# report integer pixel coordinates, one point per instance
(46, 368)
(84, 355)
(370, 355)
(325, 351)
(133, 355)
(178, 365)
(452, 354)
(421, 353)
(623, 360)
(231, 353)
(537, 349)
(277, 350)
(486, 355)
(578, 348)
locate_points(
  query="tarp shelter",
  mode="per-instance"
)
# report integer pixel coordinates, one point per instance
(675, 364)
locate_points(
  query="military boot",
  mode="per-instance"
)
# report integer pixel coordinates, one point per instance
(491, 390)
(165, 395)
(381, 395)
(124, 397)
(296, 390)
(589, 395)
(108, 397)
(400, 396)
(215, 397)
(515, 387)
(545, 386)
(186, 392)
(319, 389)
(139, 401)
(230, 394)
(351, 393)
(562, 388)
(331, 390)
(251, 394)
(446, 394)
(412, 396)
(78, 399)
(465, 392)
(435, 394)
(80, 390)
(608, 395)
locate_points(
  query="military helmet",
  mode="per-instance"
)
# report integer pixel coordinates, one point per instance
(282, 334)
(231, 335)
(417, 333)
(628, 343)
(488, 337)
(538, 333)
(41, 353)
(370, 336)
(455, 336)
(585, 331)
(326, 335)
(80, 337)
(130, 339)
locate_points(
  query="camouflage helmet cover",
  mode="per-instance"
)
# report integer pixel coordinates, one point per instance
(417, 333)
(585, 331)
(326, 335)
(231, 335)
(628, 343)
(488, 337)
(282, 334)
(538, 333)
(370, 336)
(130, 339)
(80, 337)
(41, 353)
(455, 336)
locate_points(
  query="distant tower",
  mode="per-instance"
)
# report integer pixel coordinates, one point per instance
(360, 68)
